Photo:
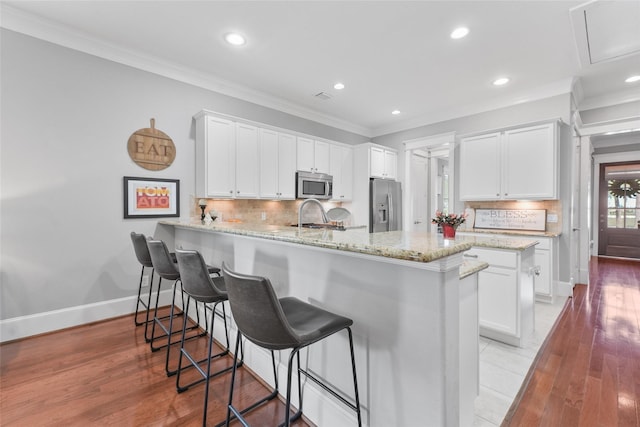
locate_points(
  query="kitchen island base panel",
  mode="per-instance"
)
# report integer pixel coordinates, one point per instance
(406, 327)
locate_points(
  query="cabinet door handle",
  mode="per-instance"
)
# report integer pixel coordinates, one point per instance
(230, 191)
(470, 256)
(497, 194)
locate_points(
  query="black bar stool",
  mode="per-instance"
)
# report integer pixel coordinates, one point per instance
(167, 269)
(199, 285)
(278, 324)
(142, 254)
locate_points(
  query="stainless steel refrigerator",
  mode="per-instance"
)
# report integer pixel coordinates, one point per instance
(385, 205)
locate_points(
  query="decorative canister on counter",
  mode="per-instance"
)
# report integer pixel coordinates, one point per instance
(449, 231)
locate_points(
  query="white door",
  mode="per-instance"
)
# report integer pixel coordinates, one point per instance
(420, 193)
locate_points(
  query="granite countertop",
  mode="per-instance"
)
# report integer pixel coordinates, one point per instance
(404, 245)
(470, 267)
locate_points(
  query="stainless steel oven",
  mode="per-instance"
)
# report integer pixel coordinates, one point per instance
(314, 185)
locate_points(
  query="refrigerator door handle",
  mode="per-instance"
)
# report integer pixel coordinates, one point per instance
(391, 213)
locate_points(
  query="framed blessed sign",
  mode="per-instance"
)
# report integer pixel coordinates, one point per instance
(151, 197)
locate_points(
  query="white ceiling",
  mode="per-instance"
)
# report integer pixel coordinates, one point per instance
(389, 54)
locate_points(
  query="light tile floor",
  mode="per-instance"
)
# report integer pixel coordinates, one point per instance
(503, 367)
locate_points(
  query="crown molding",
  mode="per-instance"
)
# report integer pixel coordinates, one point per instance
(22, 22)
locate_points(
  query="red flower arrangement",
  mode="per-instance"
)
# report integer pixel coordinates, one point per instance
(453, 220)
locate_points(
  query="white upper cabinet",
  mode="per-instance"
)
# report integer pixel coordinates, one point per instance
(517, 164)
(237, 158)
(383, 163)
(247, 161)
(215, 157)
(341, 162)
(313, 156)
(480, 167)
(287, 166)
(530, 163)
(277, 165)
(226, 158)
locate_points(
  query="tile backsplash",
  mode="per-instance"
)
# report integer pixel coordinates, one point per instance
(276, 212)
(553, 207)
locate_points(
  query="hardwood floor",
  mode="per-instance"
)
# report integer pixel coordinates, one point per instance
(588, 371)
(105, 374)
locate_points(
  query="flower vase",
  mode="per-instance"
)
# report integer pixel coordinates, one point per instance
(448, 231)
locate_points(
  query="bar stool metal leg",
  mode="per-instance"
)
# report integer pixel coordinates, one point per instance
(196, 363)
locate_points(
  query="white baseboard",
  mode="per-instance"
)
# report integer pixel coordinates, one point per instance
(564, 289)
(40, 323)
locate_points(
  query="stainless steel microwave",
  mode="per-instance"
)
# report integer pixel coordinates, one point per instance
(311, 185)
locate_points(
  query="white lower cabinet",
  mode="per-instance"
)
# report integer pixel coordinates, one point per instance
(506, 294)
(499, 299)
(545, 266)
(547, 272)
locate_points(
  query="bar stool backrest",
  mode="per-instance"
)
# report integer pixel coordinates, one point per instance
(257, 311)
(141, 249)
(161, 260)
(196, 281)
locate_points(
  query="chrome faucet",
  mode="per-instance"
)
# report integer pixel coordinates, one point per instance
(317, 202)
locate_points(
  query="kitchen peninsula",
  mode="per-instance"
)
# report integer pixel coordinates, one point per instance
(415, 319)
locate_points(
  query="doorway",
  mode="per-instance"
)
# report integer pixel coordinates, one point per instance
(429, 182)
(619, 210)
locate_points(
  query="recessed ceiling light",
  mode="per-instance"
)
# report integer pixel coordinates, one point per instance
(338, 86)
(395, 112)
(501, 81)
(632, 79)
(235, 39)
(459, 32)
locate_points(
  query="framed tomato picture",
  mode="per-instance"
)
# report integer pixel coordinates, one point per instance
(151, 197)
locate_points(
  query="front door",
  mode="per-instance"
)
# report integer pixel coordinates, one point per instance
(619, 231)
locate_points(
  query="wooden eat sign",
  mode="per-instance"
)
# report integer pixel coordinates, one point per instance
(151, 148)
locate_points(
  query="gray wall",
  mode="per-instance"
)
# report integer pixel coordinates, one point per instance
(613, 112)
(616, 143)
(66, 119)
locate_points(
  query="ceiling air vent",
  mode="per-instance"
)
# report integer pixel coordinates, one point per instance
(322, 95)
(606, 30)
